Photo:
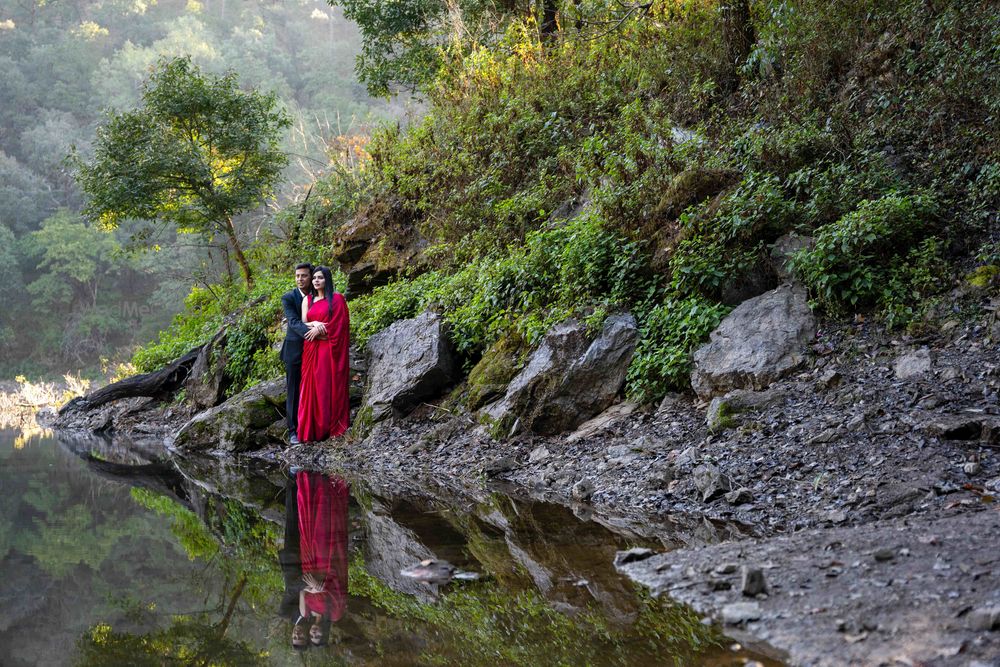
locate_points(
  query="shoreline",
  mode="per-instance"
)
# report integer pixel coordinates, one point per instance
(853, 445)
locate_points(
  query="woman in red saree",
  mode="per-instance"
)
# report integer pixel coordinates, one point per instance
(324, 403)
(322, 508)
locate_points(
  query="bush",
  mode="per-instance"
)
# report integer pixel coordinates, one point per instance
(851, 258)
(669, 334)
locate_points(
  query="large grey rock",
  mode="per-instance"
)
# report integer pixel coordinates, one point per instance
(408, 361)
(239, 424)
(762, 340)
(206, 383)
(390, 548)
(568, 379)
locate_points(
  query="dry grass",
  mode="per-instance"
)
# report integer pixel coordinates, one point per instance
(18, 407)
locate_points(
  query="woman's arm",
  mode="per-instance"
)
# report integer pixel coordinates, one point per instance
(302, 604)
(305, 310)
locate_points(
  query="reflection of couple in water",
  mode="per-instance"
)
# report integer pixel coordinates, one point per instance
(314, 557)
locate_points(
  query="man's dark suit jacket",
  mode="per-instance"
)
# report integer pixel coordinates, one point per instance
(291, 348)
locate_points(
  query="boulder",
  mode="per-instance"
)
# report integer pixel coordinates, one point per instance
(408, 361)
(207, 382)
(782, 251)
(489, 378)
(913, 364)
(568, 379)
(762, 340)
(377, 246)
(240, 424)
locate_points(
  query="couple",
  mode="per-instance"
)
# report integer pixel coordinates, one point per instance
(316, 357)
(314, 556)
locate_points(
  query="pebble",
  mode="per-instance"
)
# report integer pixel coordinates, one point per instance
(726, 568)
(582, 490)
(984, 618)
(539, 453)
(735, 613)
(739, 496)
(883, 555)
(972, 468)
(752, 581)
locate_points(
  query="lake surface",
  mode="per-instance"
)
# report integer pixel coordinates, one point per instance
(109, 557)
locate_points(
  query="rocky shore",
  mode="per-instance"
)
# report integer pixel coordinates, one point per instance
(852, 473)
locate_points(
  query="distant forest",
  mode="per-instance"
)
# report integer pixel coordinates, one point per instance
(71, 294)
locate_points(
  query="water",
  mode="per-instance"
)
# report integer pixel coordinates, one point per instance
(108, 558)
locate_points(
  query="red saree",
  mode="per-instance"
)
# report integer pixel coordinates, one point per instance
(322, 506)
(324, 403)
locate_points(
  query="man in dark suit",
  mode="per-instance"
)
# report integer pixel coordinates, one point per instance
(291, 348)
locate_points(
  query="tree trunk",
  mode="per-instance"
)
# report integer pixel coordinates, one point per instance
(158, 383)
(738, 37)
(240, 258)
(549, 25)
(224, 623)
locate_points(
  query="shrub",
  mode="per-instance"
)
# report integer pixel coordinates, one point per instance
(851, 257)
(669, 334)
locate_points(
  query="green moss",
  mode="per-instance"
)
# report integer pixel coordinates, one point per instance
(495, 370)
(983, 276)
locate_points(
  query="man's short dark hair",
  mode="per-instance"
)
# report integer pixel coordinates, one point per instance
(304, 265)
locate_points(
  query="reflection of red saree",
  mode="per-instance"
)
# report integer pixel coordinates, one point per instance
(322, 505)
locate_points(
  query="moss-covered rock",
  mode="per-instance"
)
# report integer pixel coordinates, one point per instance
(240, 424)
(489, 378)
(692, 186)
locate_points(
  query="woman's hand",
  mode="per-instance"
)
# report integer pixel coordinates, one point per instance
(316, 330)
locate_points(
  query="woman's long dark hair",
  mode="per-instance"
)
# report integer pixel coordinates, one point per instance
(327, 289)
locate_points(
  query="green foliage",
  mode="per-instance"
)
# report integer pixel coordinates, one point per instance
(483, 624)
(189, 640)
(669, 334)
(198, 151)
(190, 531)
(851, 258)
(559, 272)
(193, 327)
(913, 281)
(400, 41)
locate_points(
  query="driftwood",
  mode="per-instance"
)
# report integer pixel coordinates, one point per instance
(166, 380)
(158, 383)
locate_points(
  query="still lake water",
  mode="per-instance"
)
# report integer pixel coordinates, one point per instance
(110, 558)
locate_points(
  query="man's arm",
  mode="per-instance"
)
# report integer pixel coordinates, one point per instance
(292, 316)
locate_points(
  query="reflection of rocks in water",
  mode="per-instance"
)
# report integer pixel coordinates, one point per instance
(522, 545)
(23, 589)
(568, 561)
(209, 477)
(390, 548)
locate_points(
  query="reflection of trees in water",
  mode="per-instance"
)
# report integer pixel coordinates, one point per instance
(203, 584)
(188, 641)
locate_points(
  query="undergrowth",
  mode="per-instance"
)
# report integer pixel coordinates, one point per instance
(865, 126)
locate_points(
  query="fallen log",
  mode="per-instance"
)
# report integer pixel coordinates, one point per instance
(168, 379)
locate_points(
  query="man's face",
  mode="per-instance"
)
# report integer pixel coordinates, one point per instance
(302, 278)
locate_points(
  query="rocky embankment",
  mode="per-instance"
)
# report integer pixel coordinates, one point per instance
(850, 473)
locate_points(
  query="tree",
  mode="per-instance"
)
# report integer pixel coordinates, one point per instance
(403, 42)
(196, 152)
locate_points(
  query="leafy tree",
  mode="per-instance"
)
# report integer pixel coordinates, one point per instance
(402, 42)
(197, 152)
(75, 254)
(25, 199)
(10, 287)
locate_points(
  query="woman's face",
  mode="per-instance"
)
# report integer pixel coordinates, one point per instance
(315, 633)
(319, 282)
